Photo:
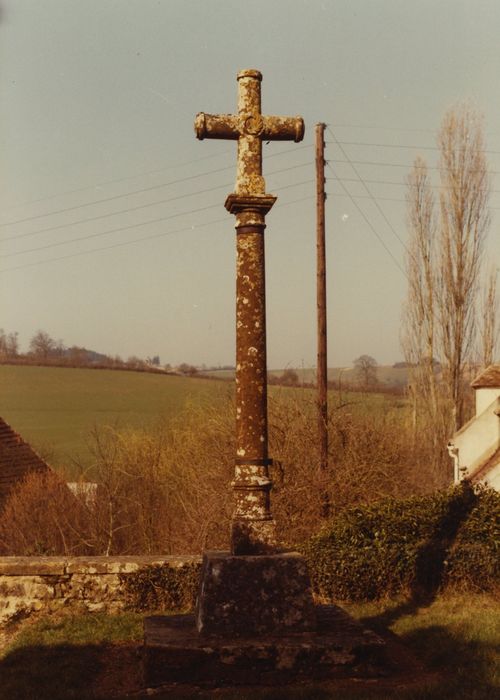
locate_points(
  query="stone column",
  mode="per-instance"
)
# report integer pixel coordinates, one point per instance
(253, 528)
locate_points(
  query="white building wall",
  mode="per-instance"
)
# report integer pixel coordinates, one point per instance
(484, 397)
(478, 438)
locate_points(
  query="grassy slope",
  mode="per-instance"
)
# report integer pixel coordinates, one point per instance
(54, 408)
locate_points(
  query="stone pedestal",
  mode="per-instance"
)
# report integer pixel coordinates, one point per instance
(254, 595)
(339, 648)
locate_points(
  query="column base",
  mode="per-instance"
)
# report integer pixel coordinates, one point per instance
(252, 537)
(253, 595)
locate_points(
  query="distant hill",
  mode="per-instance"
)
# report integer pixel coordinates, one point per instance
(89, 356)
(387, 375)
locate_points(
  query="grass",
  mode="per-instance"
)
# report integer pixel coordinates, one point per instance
(457, 635)
(55, 408)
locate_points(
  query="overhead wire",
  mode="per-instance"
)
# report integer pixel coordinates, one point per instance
(393, 145)
(379, 208)
(133, 177)
(372, 228)
(140, 240)
(131, 226)
(370, 225)
(405, 184)
(407, 166)
(136, 208)
(115, 181)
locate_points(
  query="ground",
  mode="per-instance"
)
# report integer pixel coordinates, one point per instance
(452, 646)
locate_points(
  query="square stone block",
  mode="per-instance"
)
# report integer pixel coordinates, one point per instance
(252, 595)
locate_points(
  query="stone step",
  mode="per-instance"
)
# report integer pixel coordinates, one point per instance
(174, 652)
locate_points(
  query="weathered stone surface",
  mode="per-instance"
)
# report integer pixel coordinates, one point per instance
(251, 595)
(253, 529)
(340, 647)
(44, 584)
(24, 566)
(122, 564)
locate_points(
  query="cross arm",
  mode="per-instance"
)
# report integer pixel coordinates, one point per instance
(283, 129)
(216, 126)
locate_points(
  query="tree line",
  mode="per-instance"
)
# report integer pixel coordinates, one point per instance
(45, 350)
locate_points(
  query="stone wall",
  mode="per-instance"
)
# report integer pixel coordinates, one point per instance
(44, 584)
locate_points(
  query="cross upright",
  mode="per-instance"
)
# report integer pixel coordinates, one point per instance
(252, 529)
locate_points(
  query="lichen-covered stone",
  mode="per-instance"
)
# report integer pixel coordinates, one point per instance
(340, 647)
(251, 595)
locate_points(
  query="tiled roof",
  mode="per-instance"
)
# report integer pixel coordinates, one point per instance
(17, 459)
(490, 377)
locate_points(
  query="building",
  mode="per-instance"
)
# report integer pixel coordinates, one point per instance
(17, 460)
(475, 448)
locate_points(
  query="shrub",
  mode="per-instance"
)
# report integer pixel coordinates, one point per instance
(415, 545)
(162, 587)
(43, 517)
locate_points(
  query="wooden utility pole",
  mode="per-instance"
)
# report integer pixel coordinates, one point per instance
(322, 369)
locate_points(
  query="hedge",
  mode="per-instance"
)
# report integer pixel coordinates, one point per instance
(450, 539)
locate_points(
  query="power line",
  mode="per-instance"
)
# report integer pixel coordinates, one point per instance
(130, 209)
(380, 199)
(372, 228)
(381, 211)
(395, 128)
(106, 233)
(408, 166)
(114, 213)
(126, 228)
(406, 184)
(381, 128)
(392, 145)
(112, 182)
(139, 240)
(114, 197)
(133, 177)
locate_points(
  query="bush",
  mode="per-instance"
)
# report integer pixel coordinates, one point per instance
(162, 587)
(43, 518)
(416, 545)
(474, 560)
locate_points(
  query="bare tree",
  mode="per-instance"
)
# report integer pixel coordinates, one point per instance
(42, 345)
(365, 368)
(489, 320)
(444, 266)
(9, 344)
(465, 220)
(419, 317)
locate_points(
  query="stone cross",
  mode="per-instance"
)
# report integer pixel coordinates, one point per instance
(252, 530)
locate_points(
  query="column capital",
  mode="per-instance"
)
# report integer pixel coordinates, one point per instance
(260, 204)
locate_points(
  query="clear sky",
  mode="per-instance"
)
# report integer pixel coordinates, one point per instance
(113, 232)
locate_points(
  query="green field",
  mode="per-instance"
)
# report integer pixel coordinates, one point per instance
(55, 408)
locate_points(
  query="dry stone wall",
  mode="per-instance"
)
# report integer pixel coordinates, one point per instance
(43, 584)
